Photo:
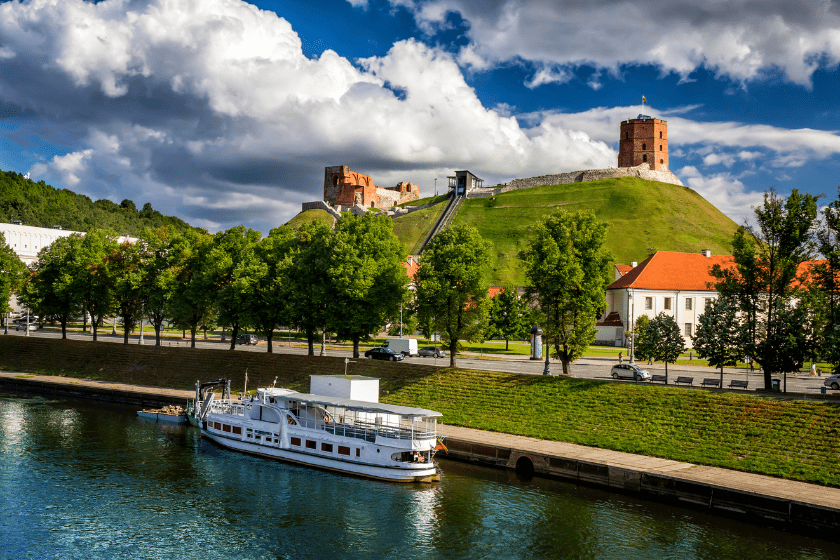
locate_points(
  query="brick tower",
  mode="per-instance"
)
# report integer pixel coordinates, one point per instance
(644, 140)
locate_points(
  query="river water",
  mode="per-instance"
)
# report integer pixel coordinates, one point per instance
(86, 480)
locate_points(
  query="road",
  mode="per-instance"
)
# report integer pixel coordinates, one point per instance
(585, 368)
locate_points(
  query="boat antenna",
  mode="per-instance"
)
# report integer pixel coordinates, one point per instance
(275, 382)
(346, 361)
(246, 381)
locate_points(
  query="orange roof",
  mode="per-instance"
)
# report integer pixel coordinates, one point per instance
(411, 267)
(623, 268)
(493, 291)
(666, 270)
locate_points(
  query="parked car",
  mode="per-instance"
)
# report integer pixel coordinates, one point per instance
(432, 351)
(832, 381)
(383, 354)
(248, 339)
(405, 346)
(630, 371)
(22, 319)
(22, 326)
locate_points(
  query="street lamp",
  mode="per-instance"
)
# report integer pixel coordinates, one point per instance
(435, 186)
(632, 328)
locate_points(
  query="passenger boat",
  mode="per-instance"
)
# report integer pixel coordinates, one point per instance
(340, 425)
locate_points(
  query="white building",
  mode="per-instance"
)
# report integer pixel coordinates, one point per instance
(677, 284)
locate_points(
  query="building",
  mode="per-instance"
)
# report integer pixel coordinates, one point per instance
(677, 284)
(463, 182)
(644, 140)
(343, 187)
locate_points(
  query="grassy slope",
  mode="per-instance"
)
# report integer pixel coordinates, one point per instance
(310, 216)
(413, 228)
(643, 215)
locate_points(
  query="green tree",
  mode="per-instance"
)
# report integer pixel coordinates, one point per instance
(12, 274)
(451, 292)
(367, 277)
(125, 264)
(766, 279)
(826, 277)
(158, 277)
(233, 269)
(509, 317)
(642, 345)
(269, 298)
(49, 291)
(568, 272)
(666, 340)
(192, 301)
(719, 337)
(308, 280)
(92, 279)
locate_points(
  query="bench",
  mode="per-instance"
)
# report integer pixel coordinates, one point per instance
(709, 382)
(655, 378)
(684, 381)
(738, 384)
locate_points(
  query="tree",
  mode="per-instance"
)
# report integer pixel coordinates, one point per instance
(766, 279)
(367, 277)
(666, 341)
(308, 280)
(509, 316)
(642, 345)
(92, 277)
(568, 272)
(158, 277)
(192, 301)
(12, 274)
(826, 277)
(125, 264)
(451, 292)
(719, 337)
(49, 291)
(269, 298)
(233, 269)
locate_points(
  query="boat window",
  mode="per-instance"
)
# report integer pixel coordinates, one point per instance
(311, 444)
(296, 441)
(217, 425)
(343, 450)
(326, 447)
(358, 452)
(237, 430)
(226, 428)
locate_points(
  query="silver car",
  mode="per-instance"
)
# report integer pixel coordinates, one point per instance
(433, 351)
(832, 381)
(630, 371)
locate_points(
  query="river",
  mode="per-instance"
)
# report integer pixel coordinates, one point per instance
(87, 480)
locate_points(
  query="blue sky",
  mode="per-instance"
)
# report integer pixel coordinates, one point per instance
(224, 112)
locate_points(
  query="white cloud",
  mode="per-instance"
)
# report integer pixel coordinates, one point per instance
(727, 193)
(738, 39)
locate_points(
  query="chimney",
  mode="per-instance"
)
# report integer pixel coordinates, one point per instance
(634, 264)
(706, 253)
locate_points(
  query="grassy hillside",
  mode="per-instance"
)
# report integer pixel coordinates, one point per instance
(413, 228)
(39, 204)
(307, 216)
(644, 216)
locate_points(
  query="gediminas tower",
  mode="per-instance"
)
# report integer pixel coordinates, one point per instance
(644, 140)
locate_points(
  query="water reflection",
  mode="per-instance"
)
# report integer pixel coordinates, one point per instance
(83, 480)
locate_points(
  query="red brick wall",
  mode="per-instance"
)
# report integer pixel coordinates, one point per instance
(644, 141)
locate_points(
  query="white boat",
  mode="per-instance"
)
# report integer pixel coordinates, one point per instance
(339, 425)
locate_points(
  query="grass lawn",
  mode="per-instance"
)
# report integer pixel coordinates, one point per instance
(413, 228)
(640, 214)
(308, 216)
(784, 438)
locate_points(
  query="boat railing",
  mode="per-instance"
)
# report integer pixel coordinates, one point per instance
(223, 407)
(367, 431)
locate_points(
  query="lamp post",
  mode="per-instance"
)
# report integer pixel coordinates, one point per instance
(435, 186)
(27, 321)
(546, 371)
(6, 324)
(632, 328)
(401, 319)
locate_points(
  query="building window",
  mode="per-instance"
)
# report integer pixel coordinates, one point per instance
(662, 161)
(667, 303)
(688, 304)
(644, 146)
(708, 301)
(660, 134)
(648, 303)
(660, 147)
(627, 135)
(687, 329)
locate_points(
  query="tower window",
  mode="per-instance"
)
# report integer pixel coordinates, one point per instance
(644, 146)
(627, 135)
(644, 158)
(660, 134)
(660, 147)
(662, 161)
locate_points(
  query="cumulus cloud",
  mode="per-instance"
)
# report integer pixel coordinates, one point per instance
(210, 110)
(725, 191)
(741, 40)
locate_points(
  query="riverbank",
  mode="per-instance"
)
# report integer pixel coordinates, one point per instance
(782, 501)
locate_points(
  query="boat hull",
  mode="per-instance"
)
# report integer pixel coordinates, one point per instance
(162, 417)
(427, 474)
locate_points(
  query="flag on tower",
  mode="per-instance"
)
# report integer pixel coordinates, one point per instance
(644, 100)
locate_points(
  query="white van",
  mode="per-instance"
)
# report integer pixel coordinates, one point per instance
(405, 346)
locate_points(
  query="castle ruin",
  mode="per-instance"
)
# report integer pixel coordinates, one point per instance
(343, 187)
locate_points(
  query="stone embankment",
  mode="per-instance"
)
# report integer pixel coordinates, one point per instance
(642, 171)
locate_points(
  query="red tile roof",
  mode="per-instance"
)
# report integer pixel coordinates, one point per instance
(411, 267)
(623, 268)
(493, 291)
(666, 270)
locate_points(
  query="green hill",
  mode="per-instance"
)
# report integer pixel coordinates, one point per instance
(307, 216)
(40, 205)
(644, 216)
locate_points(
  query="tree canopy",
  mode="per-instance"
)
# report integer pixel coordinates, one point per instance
(12, 274)
(665, 340)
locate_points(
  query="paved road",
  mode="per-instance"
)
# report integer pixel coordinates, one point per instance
(587, 368)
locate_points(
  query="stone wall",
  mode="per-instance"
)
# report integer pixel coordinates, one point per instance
(642, 171)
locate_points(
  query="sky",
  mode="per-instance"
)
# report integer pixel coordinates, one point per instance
(225, 112)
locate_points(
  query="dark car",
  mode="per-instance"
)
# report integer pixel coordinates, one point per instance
(247, 339)
(383, 354)
(433, 351)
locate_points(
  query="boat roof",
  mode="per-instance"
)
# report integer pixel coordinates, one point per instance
(360, 405)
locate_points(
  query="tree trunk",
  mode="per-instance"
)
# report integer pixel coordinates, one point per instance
(234, 332)
(721, 377)
(64, 327)
(452, 348)
(310, 339)
(193, 329)
(84, 322)
(269, 336)
(666, 372)
(93, 327)
(565, 362)
(355, 346)
(157, 333)
(126, 329)
(507, 344)
(768, 378)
